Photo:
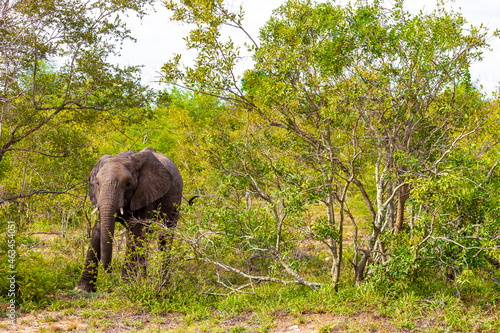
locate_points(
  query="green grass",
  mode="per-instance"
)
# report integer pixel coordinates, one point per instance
(470, 304)
(440, 312)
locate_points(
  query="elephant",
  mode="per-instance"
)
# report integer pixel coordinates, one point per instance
(133, 189)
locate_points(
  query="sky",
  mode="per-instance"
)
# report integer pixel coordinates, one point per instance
(158, 39)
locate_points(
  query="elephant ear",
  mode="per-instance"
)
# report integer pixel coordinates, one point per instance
(93, 178)
(153, 180)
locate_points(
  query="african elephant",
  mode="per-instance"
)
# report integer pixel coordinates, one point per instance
(133, 189)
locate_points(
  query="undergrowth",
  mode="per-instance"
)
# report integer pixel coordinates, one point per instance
(49, 267)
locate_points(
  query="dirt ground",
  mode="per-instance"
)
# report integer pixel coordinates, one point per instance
(47, 321)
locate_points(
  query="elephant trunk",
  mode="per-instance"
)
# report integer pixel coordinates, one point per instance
(107, 215)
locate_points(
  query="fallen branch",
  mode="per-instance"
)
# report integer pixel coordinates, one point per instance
(253, 278)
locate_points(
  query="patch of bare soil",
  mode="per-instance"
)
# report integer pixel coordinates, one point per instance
(324, 322)
(48, 321)
(35, 323)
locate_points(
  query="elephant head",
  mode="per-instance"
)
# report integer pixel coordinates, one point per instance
(127, 181)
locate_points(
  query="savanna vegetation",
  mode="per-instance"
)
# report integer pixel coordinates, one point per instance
(350, 173)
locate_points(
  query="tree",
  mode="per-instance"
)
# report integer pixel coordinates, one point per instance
(342, 101)
(56, 84)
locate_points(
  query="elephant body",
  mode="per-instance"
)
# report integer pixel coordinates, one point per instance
(133, 189)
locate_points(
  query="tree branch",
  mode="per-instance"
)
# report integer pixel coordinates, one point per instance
(36, 152)
(36, 192)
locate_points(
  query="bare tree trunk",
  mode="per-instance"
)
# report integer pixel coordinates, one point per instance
(383, 252)
(404, 193)
(391, 207)
(336, 265)
(335, 244)
(378, 220)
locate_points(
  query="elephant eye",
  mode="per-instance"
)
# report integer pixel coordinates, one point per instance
(128, 184)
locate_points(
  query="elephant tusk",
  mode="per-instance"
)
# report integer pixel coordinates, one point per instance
(94, 211)
(121, 210)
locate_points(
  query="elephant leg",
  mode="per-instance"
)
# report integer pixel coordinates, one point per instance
(135, 255)
(88, 280)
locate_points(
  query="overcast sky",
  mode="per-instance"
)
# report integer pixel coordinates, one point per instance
(158, 38)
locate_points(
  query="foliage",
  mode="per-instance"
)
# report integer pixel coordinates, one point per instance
(354, 165)
(57, 87)
(58, 93)
(344, 101)
(35, 284)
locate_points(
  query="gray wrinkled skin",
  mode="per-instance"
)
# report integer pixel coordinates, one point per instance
(144, 186)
